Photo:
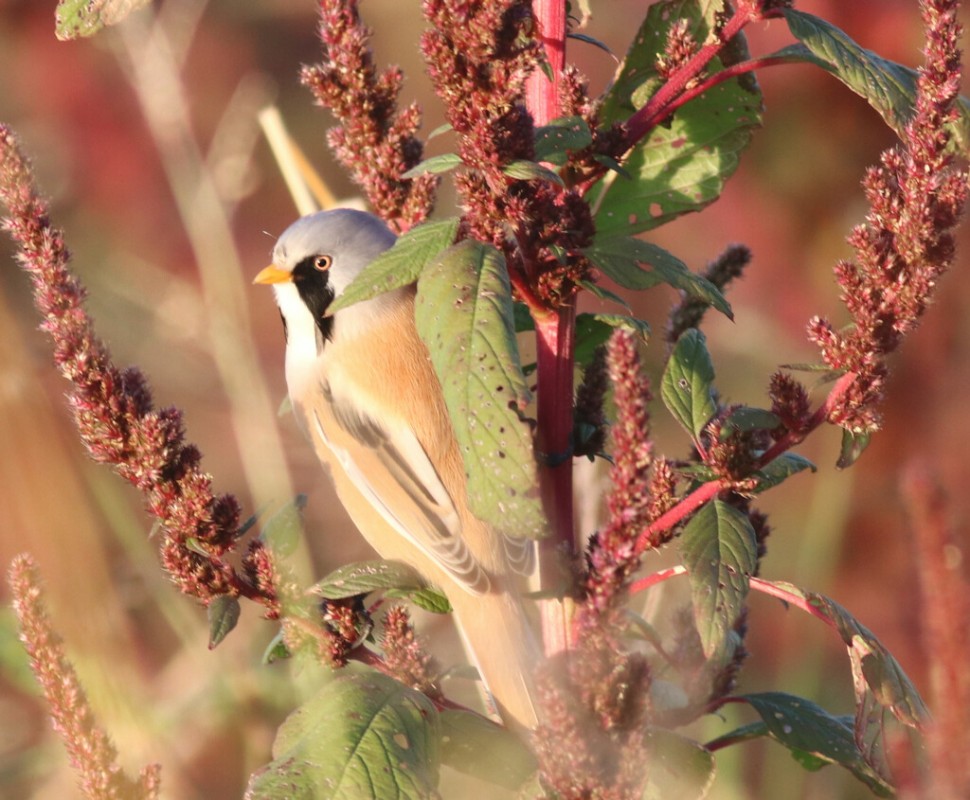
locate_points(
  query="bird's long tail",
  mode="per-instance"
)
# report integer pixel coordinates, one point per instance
(500, 640)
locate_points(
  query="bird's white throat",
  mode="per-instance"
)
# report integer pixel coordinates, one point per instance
(304, 347)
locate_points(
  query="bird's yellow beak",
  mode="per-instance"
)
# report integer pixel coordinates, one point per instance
(273, 274)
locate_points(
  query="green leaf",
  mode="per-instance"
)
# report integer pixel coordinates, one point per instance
(522, 318)
(743, 733)
(813, 735)
(620, 259)
(464, 315)
(434, 165)
(401, 264)
(679, 768)
(582, 37)
(363, 736)
(745, 419)
(75, 18)
(682, 164)
(441, 129)
(284, 530)
(276, 650)
(853, 446)
(427, 598)
(223, 613)
(603, 293)
(553, 142)
(529, 171)
(720, 551)
(883, 675)
(888, 87)
(780, 469)
(688, 383)
(364, 577)
(477, 746)
(593, 330)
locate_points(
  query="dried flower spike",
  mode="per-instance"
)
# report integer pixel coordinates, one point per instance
(916, 194)
(113, 408)
(89, 749)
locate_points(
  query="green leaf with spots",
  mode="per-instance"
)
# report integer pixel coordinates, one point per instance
(363, 577)
(888, 87)
(401, 264)
(683, 163)
(464, 315)
(76, 18)
(881, 672)
(720, 551)
(363, 736)
(688, 383)
(562, 135)
(813, 735)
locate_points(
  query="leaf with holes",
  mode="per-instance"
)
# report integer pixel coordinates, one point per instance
(720, 551)
(562, 135)
(464, 315)
(688, 383)
(813, 735)
(682, 164)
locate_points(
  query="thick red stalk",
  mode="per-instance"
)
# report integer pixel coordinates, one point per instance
(555, 344)
(541, 93)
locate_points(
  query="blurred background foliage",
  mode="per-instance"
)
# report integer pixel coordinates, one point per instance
(170, 199)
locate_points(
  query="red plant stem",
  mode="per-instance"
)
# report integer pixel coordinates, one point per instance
(658, 577)
(541, 93)
(687, 506)
(707, 491)
(792, 438)
(644, 120)
(768, 588)
(718, 77)
(555, 343)
(555, 357)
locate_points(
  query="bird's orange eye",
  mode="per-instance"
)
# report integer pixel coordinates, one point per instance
(322, 263)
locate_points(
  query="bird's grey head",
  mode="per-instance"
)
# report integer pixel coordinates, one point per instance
(350, 239)
(316, 258)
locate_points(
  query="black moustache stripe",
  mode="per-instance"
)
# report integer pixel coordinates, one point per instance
(316, 292)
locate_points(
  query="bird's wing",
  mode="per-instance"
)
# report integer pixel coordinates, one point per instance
(390, 468)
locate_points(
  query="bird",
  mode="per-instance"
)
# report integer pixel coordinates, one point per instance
(364, 392)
